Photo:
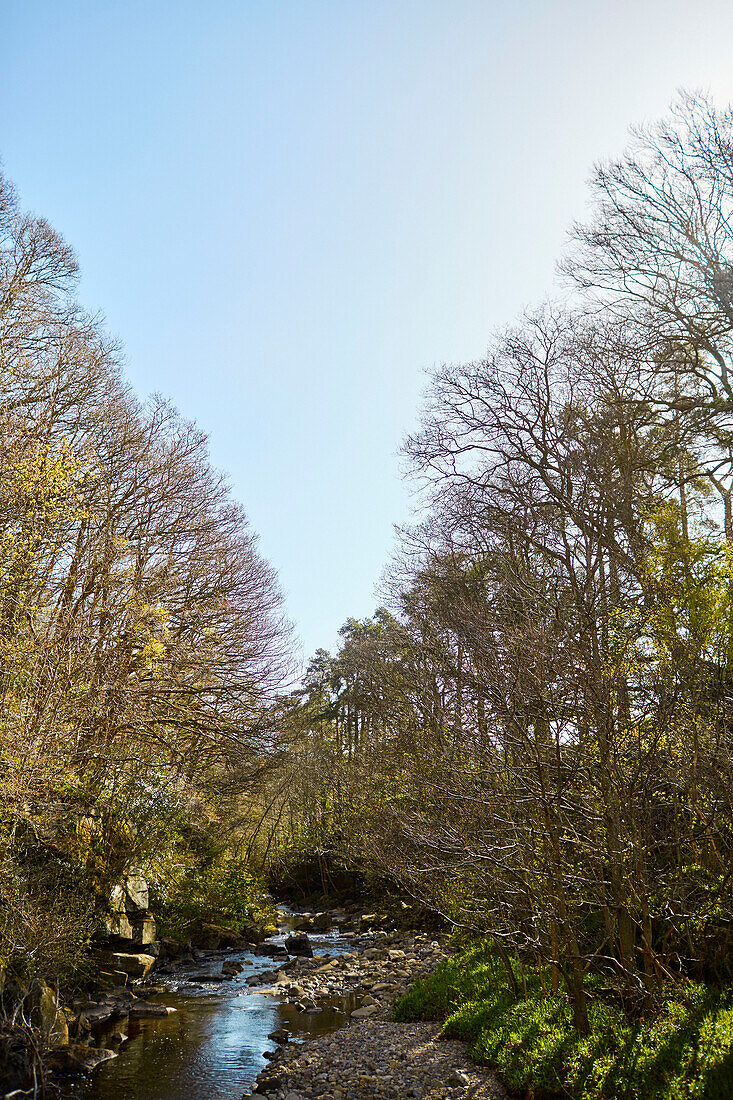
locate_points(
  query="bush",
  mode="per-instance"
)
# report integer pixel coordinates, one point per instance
(222, 891)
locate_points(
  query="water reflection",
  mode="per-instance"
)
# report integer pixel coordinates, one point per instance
(213, 1045)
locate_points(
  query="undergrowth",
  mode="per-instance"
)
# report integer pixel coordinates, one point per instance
(684, 1053)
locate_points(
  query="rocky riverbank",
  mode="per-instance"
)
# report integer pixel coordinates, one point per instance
(372, 1057)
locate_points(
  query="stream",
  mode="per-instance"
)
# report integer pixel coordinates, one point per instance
(213, 1045)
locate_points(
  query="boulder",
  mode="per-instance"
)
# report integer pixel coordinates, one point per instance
(171, 949)
(270, 950)
(231, 968)
(117, 899)
(270, 1080)
(142, 930)
(135, 965)
(81, 1057)
(253, 933)
(137, 893)
(117, 924)
(47, 1015)
(299, 944)
(145, 1009)
(227, 938)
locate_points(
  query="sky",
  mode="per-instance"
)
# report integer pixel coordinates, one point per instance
(290, 210)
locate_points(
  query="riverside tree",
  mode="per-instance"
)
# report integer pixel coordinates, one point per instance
(554, 764)
(141, 632)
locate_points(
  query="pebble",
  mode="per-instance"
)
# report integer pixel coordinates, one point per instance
(379, 1061)
(372, 1058)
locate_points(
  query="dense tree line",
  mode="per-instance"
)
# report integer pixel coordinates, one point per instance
(141, 633)
(535, 735)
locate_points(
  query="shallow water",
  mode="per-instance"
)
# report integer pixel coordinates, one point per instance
(212, 1046)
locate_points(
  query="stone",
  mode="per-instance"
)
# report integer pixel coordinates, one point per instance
(270, 1081)
(47, 1015)
(143, 930)
(90, 1057)
(137, 893)
(171, 949)
(144, 1009)
(364, 1013)
(253, 933)
(299, 944)
(227, 938)
(117, 899)
(280, 1036)
(458, 1078)
(231, 967)
(118, 924)
(137, 966)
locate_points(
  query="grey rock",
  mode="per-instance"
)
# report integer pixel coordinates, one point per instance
(299, 944)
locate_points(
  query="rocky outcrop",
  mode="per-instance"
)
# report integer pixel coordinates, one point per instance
(130, 948)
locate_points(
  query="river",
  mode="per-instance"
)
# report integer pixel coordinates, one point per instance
(213, 1045)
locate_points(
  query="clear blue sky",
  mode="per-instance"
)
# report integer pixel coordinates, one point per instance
(288, 211)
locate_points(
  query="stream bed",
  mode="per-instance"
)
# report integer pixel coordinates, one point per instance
(213, 1045)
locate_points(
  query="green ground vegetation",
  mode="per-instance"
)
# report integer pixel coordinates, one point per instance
(682, 1050)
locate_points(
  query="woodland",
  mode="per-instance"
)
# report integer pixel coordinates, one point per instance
(532, 738)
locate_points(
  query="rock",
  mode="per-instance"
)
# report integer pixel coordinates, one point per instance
(231, 967)
(137, 893)
(78, 1057)
(117, 899)
(270, 1081)
(118, 924)
(144, 1009)
(98, 1013)
(227, 938)
(47, 1015)
(80, 1028)
(253, 933)
(458, 1078)
(137, 966)
(322, 922)
(90, 1057)
(299, 944)
(364, 1013)
(171, 949)
(280, 1036)
(143, 930)
(270, 950)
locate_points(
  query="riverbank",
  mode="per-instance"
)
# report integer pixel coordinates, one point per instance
(679, 1050)
(372, 1057)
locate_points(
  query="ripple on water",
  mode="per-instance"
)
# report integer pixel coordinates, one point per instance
(212, 1046)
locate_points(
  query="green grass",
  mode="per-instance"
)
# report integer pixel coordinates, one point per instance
(685, 1053)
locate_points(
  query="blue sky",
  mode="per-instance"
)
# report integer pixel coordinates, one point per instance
(288, 211)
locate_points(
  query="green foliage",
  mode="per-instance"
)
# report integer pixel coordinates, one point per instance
(686, 1051)
(218, 891)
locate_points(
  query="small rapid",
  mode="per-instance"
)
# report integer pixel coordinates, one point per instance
(214, 1044)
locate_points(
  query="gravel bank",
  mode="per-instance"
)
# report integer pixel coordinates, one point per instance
(379, 1061)
(372, 1058)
